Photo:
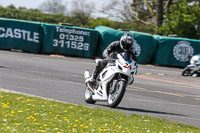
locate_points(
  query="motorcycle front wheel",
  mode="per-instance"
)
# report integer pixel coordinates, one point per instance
(115, 97)
(186, 72)
(88, 96)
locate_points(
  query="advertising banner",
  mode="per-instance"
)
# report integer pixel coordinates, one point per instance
(68, 40)
(175, 51)
(20, 35)
(144, 44)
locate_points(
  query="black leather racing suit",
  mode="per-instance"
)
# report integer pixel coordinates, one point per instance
(111, 53)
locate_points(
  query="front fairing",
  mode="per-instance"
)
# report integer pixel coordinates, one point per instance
(127, 67)
(108, 73)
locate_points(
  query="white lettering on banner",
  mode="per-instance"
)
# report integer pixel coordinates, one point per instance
(71, 39)
(71, 44)
(36, 37)
(29, 38)
(19, 34)
(23, 34)
(9, 33)
(72, 31)
(2, 34)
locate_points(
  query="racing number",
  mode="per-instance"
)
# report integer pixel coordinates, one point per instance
(126, 65)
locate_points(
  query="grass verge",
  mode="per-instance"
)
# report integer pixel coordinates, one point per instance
(25, 114)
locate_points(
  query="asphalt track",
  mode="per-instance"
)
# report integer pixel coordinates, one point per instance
(157, 91)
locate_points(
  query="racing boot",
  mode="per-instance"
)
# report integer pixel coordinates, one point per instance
(93, 77)
(99, 67)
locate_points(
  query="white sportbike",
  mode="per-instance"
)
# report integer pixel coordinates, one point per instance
(111, 83)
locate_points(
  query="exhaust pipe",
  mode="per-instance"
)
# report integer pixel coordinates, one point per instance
(87, 74)
(87, 77)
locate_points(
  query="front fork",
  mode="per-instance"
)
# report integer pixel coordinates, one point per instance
(114, 82)
(113, 86)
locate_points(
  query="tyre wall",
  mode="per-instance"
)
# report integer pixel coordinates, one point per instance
(175, 52)
(144, 44)
(20, 35)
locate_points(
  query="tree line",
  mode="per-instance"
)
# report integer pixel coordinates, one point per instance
(78, 19)
(163, 17)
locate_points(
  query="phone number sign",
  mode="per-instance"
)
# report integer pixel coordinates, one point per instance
(71, 41)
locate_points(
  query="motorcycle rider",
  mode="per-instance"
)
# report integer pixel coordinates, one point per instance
(195, 60)
(124, 44)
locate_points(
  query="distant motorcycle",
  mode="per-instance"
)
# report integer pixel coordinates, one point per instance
(111, 83)
(193, 69)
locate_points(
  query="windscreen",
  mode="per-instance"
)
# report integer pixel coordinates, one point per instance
(127, 56)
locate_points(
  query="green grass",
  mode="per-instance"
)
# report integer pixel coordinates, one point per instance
(25, 114)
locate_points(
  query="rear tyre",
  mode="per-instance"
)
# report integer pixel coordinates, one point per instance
(88, 96)
(115, 97)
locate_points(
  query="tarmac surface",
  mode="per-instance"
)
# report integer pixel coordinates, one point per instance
(157, 91)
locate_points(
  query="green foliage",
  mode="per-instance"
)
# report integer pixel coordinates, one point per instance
(183, 20)
(78, 19)
(11, 6)
(24, 114)
(135, 26)
(32, 15)
(101, 21)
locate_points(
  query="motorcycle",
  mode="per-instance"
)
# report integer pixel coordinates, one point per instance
(111, 83)
(193, 69)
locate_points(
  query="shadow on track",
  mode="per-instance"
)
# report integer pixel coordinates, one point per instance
(3, 67)
(148, 111)
(142, 110)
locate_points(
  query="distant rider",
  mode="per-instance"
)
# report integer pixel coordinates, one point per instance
(195, 60)
(125, 44)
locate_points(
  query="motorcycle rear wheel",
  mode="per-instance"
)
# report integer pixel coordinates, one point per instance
(115, 97)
